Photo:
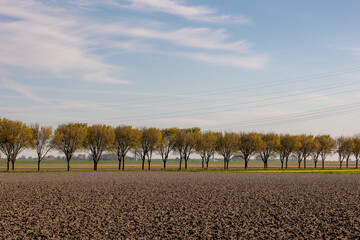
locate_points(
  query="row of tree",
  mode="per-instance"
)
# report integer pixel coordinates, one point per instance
(16, 136)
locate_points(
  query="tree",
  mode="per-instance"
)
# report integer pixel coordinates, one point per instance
(150, 139)
(306, 147)
(15, 136)
(269, 147)
(99, 138)
(249, 144)
(227, 145)
(126, 138)
(317, 151)
(349, 146)
(185, 143)
(356, 148)
(288, 145)
(344, 148)
(205, 146)
(167, 143)
(42, 141)
(69, 138)
(326, 146)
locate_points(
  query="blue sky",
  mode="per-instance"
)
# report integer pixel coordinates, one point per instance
(228, 65)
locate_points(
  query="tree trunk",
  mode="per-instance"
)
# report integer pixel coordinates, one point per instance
(227, 164)
(143, 163)
(123, 163)
(39, 165)
(68, 165)
(202, 162)
(315, 162)
(8, 164)
(305, 163)
(186, 162)
(286, 163)
(207, 163)
(323, 163)
(164, 164)
(282, 164)
(299, 163)
(224, 163)
(180, 163)
(340, 164)
(357, 161)
(246, 163)
(149, 162)
(265, 164)
(119, 158)
(95, 165)
(13, 165)
(347, 162)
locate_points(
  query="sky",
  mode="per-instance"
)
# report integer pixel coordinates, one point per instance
(230, 65)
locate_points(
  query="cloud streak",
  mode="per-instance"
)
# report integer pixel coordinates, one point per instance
(26, 91)
(201, 38)
(40, 39)
(197, 13)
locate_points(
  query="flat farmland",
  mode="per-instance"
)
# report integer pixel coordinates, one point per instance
(156, 164)
(183, 205)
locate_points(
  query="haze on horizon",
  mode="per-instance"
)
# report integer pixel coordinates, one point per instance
(220, 65)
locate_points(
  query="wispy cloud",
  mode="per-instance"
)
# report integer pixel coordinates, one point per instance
(25, 91)
(43, 39)
(202, 38)
(355, 50)
(198, 13)
(251, 62)
(49, 41)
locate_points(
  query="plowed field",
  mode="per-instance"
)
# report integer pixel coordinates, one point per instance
(183, 205)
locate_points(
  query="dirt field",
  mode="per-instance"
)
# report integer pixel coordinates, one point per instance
(157, 205)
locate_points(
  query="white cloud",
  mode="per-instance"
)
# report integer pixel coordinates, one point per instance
(26, 91)
(355, 50)
(203, 38)
(43, 41)
(252, 62)
(198, 13)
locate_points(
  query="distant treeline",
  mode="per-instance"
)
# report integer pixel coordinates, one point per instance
(100, 139)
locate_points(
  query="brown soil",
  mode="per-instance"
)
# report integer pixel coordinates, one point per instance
(183, 205)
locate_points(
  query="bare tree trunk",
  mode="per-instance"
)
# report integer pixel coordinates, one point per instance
(357, 161)
(180, 163)
(347, 162)
(340, 164)
(202, 162)
(286, 163)
(246, 163)
(164, 163)
(282, 164)
(299, 163)
(68, 165)
(95, 165)
(207, 163)
(265, 164)
(305, 163)
(143, 163)
(227, 164)
(8, 164)
(186, 162)
(224, 163)
(13, 165)
(315, 163)
(119, 158)
(123, 163)
(323, 163)
(39, 164)
(149, 162)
